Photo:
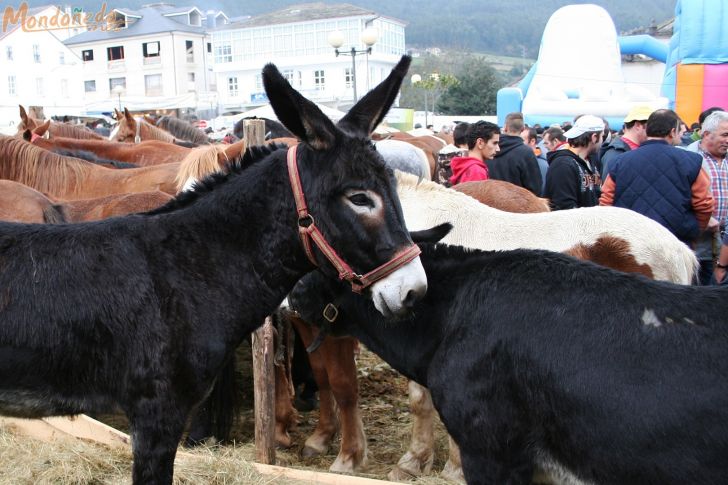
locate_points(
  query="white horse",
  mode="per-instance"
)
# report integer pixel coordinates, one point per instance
(618, 237)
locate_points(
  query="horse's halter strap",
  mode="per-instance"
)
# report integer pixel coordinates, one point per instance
(308, 231)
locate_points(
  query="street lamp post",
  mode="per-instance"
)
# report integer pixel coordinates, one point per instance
(118, 91)
(369, 37)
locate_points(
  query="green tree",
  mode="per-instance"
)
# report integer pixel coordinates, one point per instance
(475, 92)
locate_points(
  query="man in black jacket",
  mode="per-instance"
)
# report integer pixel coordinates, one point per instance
(571, 180)
(516, 162)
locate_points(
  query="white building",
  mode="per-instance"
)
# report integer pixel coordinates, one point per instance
(159, 57)
(36, 69)
(296, 39)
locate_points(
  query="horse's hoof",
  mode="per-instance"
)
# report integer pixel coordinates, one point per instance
(310, 452)
(452, 473)
(399, 475)
(343, 465)
(284, 442)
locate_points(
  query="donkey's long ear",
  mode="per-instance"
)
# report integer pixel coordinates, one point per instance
(301, 116)
(365, 115)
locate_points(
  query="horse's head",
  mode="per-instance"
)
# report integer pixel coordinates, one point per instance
(126, 129)
(26, 122)
(349, 189)
(40, 131)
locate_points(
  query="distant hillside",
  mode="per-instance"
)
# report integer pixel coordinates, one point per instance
(505, 27)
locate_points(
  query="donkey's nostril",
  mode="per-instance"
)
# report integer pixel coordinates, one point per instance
(411, 299)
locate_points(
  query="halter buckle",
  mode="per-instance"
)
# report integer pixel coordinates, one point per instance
(330, 312)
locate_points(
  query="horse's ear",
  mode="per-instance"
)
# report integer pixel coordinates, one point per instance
(301, 116)
(432, 235)
(129, 118)
(23, 114)
(117, 114)
(42, 130)
(365, 115)
(27, 135)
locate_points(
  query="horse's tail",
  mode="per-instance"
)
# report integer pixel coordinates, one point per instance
(691, 265)
(54, 214)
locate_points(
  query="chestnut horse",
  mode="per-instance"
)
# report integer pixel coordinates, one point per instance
(504, 196)
(20, 203)
(622, 239)
(69, 178)
(57, 129)
(144, 154)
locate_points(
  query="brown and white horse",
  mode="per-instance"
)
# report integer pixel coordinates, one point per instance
(129, 129)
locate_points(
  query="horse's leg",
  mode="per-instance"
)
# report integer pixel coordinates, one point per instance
(156, 426)
(453, 469)
(341, 369)
(285, 413)
(418, 459)
(328, 424)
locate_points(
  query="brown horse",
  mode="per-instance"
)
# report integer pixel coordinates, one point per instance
(144, 154)
(134, 130)
(56, 129)
(204, 160)
(504, 196)
(69, 178)
(20, 203)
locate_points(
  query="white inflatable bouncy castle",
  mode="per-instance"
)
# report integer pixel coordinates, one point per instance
(579, 71)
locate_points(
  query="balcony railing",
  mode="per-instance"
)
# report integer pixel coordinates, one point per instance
(117, 65)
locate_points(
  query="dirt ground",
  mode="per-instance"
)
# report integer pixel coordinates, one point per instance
(385, 412)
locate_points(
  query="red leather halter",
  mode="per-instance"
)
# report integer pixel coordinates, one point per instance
(308, 231)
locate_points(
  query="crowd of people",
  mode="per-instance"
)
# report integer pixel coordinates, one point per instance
(654, 165)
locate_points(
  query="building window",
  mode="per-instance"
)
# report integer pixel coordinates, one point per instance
(258, 83)
(191, 77)
(115, 53)
(117, 81)
(190, 49)
(209, 47)
(150, 49)
(348, 77)
(319, 80)
(11, 86)
(223, 53)
(39, 86)
(36, 53)
(9, 52)
(64, 88)
(88, 55)
(233, 86)
(153, 85)
(89, 86)
(61, 58)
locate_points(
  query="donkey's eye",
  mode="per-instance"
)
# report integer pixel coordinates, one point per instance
(361, 200)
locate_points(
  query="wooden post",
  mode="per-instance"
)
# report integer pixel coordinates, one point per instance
(254, 132)
(264, 392)
(263, 351)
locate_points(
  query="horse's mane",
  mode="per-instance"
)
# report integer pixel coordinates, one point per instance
(93, 158)
(182, 129)
(153, 132)
(198, 163)
(72, 131)
(231, 169)
(40, 169)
